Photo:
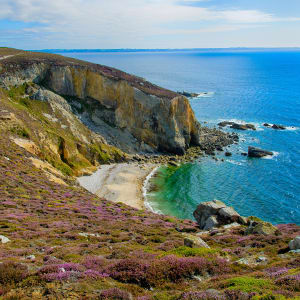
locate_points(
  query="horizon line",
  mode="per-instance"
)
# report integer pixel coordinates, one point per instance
(164, 49)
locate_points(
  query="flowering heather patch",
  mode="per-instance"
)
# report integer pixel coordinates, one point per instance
(78, 239)
(276, 272)
(290, 282)
(204, 295)
(114, 294)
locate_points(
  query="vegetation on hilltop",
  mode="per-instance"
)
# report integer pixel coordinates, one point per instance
(60, 139)
(20, 59)
(58, 241)
(67, 243)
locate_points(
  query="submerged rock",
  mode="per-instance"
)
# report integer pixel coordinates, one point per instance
(256, 152)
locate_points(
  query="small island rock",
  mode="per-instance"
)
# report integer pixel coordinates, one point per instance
(278, 127)
(256, 152)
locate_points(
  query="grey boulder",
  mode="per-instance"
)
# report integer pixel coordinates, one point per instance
(295, 243)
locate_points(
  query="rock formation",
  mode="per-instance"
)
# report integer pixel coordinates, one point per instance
(295, 243)
(142, 116)
(215, 214)
(256, 152)
(237, 125)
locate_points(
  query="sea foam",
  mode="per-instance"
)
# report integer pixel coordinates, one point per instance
(145, 192)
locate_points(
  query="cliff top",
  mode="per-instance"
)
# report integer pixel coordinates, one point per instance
(14, 59)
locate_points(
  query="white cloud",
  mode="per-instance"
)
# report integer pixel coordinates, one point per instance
(121, 20)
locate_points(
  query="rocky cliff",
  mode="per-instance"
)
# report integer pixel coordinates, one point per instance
(126, 110)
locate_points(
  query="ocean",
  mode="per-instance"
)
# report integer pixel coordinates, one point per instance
(244, 85)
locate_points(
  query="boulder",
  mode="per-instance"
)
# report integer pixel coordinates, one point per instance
(193, 241)
(207, 209)
(174, 164)
(243, 126)
(4, 239)
(211, 223)
(267, 125)
(278, 127)
(261, 227)
(225, 123)
(215, 214)
(256, 152)
(229, 214)
(237, 125)
(295, 243)
(228, 153)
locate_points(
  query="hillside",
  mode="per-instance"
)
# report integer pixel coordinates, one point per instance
(58, 241)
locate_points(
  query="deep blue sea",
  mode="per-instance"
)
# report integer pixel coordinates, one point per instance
(253, 86)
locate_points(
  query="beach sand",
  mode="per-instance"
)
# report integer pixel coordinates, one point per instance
(119, 183)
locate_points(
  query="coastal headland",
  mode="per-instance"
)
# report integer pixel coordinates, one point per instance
(62, 118)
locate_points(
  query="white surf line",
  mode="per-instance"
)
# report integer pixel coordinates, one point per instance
(144, 190)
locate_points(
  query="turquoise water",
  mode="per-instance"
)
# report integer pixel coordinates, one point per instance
(249, 85)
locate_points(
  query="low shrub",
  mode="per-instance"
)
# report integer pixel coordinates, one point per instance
(187, 251)
(114, 294)
(11, 273)
(249, 284)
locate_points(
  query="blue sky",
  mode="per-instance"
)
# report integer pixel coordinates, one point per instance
(41, 24)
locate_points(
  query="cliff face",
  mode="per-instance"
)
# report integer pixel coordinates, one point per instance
(161, 123)
(141, 116)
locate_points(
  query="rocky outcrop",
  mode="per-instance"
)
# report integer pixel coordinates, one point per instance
(275, 126)
(278, 127)
(189, 95)
(258, 226)
(256, 152)
(154, 118)
(215, 214)
(237, 125)
(193, 241)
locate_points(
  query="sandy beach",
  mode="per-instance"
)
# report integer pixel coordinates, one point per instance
(119, 183)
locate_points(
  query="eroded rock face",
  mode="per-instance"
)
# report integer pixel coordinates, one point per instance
(215, 213)
(162, 121)
(164, 124)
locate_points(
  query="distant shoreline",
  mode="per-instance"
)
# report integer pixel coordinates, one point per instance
(262, 49)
